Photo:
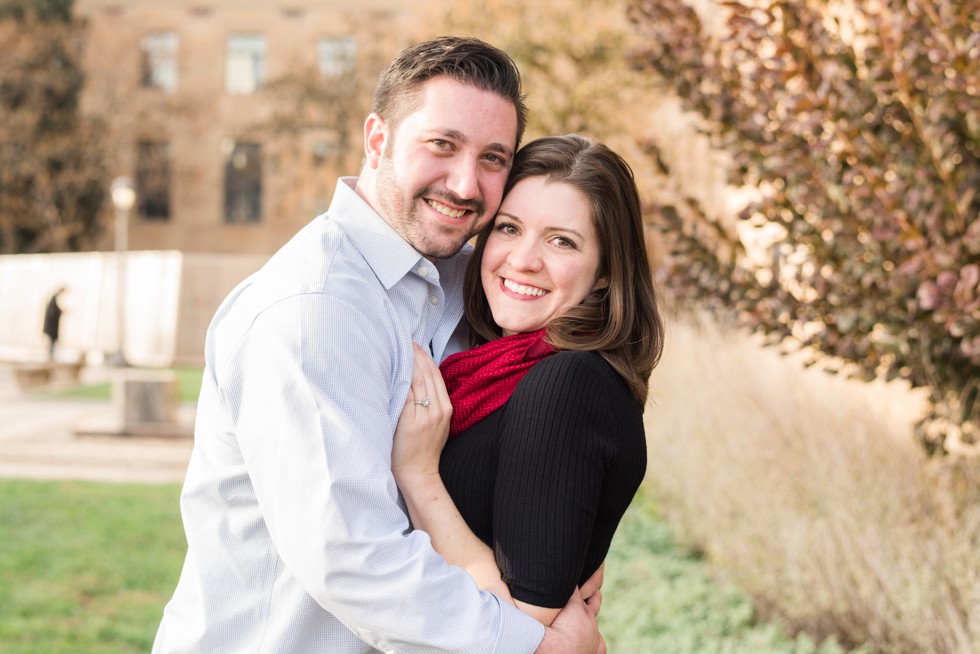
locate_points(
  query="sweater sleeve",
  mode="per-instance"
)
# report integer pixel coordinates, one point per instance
(572, 454)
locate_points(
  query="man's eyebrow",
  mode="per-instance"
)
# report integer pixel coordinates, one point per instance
(452, 133)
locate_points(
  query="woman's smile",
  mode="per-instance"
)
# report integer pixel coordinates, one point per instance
(542, 255)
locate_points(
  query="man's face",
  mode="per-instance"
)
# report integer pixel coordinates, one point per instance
(442, 173)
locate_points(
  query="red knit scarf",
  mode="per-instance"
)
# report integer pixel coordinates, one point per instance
(480, 380)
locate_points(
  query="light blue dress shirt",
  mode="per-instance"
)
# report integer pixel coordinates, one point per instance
(297, 538)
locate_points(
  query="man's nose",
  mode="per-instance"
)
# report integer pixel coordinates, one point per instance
(464, 179)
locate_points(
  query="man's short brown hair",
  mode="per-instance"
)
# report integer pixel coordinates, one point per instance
(466, 60)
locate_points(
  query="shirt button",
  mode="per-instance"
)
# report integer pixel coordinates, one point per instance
(434, 300)
(423, 271)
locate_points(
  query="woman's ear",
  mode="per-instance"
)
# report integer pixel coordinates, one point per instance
(601, 283)
(375, 140)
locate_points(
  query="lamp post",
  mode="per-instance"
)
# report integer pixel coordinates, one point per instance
(123, 196)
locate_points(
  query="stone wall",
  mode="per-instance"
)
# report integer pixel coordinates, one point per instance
(169, 299)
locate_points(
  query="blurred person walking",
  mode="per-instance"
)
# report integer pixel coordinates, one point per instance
(52, 321)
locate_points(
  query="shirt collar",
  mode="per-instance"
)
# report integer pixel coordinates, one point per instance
(389, 255)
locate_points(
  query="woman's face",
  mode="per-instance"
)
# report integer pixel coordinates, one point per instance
(542, 255)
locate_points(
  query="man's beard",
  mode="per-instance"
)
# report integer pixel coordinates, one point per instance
(407, 221)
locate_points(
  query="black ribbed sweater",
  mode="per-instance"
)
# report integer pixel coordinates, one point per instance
(546, 478)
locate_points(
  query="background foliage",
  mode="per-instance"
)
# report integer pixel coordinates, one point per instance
(809, 493)
(659, 597)
(858, 125)
(319, 118)
(52, 176)
(573, 62)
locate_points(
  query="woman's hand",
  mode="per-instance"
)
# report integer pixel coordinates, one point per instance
(423, 427)
(419, 438)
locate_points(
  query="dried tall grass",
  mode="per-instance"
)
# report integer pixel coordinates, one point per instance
(810, 493)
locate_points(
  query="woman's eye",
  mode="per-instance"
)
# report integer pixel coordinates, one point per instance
(563, 242)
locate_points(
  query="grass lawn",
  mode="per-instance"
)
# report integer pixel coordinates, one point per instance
(88, 567)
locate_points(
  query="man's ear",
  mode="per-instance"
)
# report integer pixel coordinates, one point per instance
(375, 140)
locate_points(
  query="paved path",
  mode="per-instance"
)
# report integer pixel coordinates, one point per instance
(45, 437)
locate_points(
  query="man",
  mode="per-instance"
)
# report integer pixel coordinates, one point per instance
(297, 539)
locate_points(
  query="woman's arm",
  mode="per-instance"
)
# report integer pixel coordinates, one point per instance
(419, 439)
(569, 454)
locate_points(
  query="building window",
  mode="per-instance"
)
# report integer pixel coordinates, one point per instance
(158, 67)
(335, 55)
(243, 182)
(153, 179)
(245, 64)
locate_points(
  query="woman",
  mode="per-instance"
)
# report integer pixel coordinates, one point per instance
(546, 445)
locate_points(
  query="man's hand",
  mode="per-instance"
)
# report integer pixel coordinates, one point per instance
(574, 630)
(592, 589)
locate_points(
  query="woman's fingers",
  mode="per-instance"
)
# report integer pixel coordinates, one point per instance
(421, 379)
(423, 426)
(423, 368)
(433, 386)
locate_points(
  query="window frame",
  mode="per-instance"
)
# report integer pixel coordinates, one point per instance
(243, 182)
(336, 55)
(153, 186)
(159, 52)
(246, 63)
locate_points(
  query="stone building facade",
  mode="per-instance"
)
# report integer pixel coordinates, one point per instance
(235, 118)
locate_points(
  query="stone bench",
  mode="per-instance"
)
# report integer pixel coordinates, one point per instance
(37, 376)
(146, 401)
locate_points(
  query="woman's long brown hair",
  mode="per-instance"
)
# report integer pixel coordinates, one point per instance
(620, 321)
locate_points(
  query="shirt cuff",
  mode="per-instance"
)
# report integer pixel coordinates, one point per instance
(519, 632)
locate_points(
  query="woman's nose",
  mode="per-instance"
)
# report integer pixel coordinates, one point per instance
(525, 256)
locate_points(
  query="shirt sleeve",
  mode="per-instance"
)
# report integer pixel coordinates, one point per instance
(308, 390)
(572, 454)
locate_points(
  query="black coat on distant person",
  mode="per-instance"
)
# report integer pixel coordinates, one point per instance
(52, 318)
